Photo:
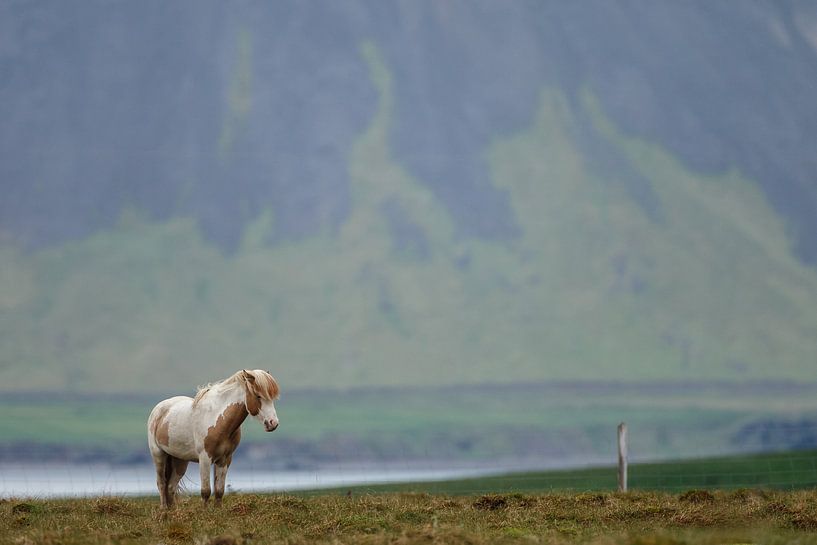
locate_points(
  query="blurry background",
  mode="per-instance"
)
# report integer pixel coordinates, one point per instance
(471, 234)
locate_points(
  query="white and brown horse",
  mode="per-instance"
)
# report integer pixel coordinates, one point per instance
(206, 429)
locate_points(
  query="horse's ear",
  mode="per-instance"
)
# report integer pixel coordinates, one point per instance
(249, 377)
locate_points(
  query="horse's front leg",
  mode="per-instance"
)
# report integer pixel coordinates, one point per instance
(221, 480)
(204, 472)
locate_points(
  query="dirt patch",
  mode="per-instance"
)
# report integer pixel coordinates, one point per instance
(491, 503)
(223, 540)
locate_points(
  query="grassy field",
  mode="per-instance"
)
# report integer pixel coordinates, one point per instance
(782, 471)
(742, 516)
(670, 503)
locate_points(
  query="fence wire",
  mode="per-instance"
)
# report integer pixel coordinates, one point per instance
(30, 476)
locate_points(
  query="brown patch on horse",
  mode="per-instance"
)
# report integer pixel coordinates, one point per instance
(223, 436)
(154, 424)
(162, 435)
(252, 402)
(159, 427)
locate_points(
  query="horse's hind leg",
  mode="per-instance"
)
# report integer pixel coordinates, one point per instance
(163, 468)
(177, 469)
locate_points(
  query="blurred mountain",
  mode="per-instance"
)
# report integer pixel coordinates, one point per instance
(370, 193)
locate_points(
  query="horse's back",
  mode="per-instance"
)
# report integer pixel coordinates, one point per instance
(172, 404)
(174, 401)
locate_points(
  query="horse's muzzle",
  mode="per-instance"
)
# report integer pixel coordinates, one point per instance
(270, 426)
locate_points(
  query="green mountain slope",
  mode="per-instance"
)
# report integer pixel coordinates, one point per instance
(593, 288)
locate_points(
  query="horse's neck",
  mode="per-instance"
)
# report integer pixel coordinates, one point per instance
(228, 405)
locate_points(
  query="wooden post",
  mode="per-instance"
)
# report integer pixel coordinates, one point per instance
(622, 457)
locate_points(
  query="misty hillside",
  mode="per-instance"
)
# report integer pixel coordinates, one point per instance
(406, 193)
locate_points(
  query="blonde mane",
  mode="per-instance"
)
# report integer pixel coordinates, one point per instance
(264, 385)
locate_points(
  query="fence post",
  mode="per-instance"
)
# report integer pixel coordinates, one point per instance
(622, 457)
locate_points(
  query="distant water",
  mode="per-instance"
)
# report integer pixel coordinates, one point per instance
(50, 480)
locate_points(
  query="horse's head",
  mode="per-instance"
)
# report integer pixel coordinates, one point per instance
(261, 390)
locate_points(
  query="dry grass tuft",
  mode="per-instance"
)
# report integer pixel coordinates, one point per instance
(178, 532)
(23, 508)
(697, 496)
(592, 499)
(109, 505)
(804, 521)
(749, 495)
(242, 507)
(777, 507)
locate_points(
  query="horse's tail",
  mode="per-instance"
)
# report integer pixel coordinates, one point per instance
(180, 487)
(168, 468)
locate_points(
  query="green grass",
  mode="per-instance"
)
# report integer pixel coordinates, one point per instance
(90, 421)
(785, 471)
(743, 516)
